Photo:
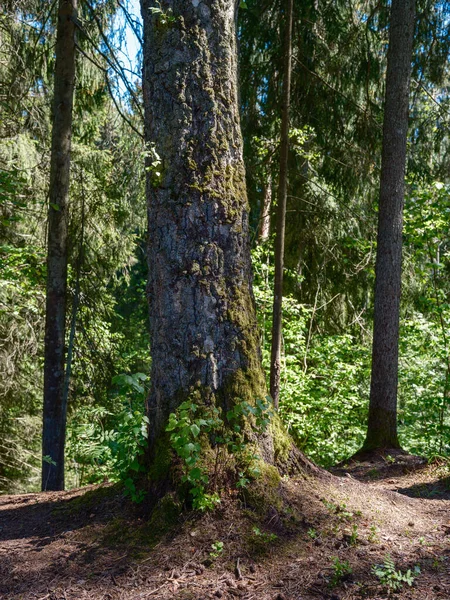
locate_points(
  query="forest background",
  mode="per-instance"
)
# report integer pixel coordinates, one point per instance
(339, 61)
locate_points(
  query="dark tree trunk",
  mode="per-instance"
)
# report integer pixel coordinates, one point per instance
(275, 359)
(54, 415)
(204, 335)
(382, 425)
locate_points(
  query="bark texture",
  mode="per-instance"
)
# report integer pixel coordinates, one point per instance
(264, 219)
(275, 358)
(382, 424)
(204, 335)
(54, 415)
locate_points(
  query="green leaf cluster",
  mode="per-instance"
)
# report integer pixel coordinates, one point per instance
(194, 428)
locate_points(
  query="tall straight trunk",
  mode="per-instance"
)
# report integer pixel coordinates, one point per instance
(54, 415)
(275, 359)
(382, 424)
(203, 329)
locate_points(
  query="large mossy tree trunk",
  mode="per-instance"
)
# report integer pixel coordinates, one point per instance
(204, 334)
(55, 409)
(382, 424)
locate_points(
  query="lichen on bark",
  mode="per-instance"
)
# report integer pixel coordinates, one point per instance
(204, 334)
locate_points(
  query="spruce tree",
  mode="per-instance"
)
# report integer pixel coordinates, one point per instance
(382, 424)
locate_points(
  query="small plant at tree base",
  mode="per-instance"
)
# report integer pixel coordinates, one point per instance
(243, 481)
(192, 422)
(260, 541)
(340, 570)
(391, 578)
(217, 549)
(312, 533)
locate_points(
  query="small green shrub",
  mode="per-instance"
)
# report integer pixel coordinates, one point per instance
(192, 427)
(107, 445)
(217, 549)
(391, 578)
(341, 569)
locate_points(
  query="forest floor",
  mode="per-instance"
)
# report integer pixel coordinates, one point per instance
(320, 541)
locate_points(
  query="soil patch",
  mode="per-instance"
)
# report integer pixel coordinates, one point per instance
(321, 539)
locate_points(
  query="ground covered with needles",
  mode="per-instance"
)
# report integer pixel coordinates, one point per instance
(377, 528)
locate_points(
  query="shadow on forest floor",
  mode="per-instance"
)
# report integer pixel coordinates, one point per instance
(401, 472)
(433, 490)
(317, 539)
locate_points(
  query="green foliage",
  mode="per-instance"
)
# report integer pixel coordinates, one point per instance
(394, 579)
(164, 17)
(329, 250)
(193, 428)
(341, 569)
(354, 535)
(107, 212)
(260, 542)
(425, 350)
(217, 549)
(108, 444)
(264, 537)
(325, 378)
(372, 537)
(48, 459)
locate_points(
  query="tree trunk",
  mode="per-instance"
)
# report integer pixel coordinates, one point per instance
(54, 415)
(382, 424)
(264, 219)
(275, 359)
(204, 334)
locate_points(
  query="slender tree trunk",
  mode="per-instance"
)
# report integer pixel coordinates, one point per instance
(275, 359)
(382, 425)
(54, 415)
(264, 219)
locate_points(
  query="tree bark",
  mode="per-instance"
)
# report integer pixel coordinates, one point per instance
(264, 219)
(204, 335)
(54, 414)
(203, 328)
(382, 424)
(275, 359)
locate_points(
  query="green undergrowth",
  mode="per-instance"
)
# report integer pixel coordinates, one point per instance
(325, 375)
(216, 449)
